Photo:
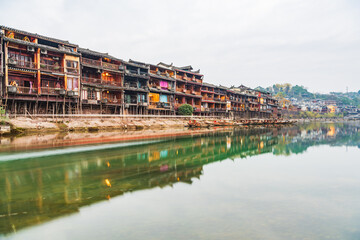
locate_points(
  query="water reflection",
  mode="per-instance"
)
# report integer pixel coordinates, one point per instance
(37, 190)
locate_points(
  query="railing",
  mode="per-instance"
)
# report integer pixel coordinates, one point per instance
(164, 74)
(51, 67)
(26, 90)
(91, 62)
(111, 83)
(72, 70)
(131, 101)
(165, 105)
(181, 90)
(131, 85)
(21, 63)
(91, 80)
(113, 101)
(100, 81)
(48, 90)
(110, 66)
(208, 98)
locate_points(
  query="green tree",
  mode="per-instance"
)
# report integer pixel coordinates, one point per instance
(186, 110)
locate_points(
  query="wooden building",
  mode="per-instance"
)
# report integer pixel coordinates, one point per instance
(188, 86)
(101, 83)
(237, 103)
(136, 87)
(41, 74)
(162, 86)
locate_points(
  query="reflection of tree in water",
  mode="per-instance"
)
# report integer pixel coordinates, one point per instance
(37, 190)
(297, 140)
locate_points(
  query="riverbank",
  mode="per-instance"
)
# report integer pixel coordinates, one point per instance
(27, 125)
(92, 124)
(35, 125)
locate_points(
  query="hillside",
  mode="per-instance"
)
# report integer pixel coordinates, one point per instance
(301, 93)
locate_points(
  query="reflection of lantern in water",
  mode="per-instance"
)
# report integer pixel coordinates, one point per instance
(108, 164)
(107, 182)
(331, 132)
(261, 144)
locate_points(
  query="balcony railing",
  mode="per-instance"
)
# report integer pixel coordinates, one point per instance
(91, 62)
(110, 66)
(51, 67)
(48, 90)
(21, 63)
(131, 85)
(164, 74)
(100, 81)
(72, 70)
(26, 90)
(111, 83)
(91, 80)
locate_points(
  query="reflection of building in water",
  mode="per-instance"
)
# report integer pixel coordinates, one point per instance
(58, 185)
(36, 190)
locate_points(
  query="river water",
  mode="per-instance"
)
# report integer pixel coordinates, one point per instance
(298, 182)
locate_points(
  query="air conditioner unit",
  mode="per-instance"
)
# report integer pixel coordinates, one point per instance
(12, 89)
(62, 91)
(43, 51)
(12, 61)
(127, 105)
(30, 49)
(158, 73)
(121, 68)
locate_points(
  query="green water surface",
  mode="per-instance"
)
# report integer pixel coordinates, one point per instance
(297, 182)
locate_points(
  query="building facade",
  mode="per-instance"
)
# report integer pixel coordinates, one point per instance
(43, 75)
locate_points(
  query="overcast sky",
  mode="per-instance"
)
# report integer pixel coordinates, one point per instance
(315, 43)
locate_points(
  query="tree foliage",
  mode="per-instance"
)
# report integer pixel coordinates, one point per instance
(186, 110)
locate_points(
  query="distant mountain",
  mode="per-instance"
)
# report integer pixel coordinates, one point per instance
(301, 93)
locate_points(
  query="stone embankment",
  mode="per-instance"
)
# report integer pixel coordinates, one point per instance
(22, 124)
(29, 125)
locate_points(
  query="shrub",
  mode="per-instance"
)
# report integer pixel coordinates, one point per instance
(186, 109)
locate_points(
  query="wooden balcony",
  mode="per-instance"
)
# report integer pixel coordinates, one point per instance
(51, 67)
(91, 62)
(72, 70)
(21, 64)
(100, 81)
(110, 66)
(49, 91)
(22, 90)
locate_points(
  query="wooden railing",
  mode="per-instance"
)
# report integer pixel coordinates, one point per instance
(110, 66)
(21, 63)
(72, 70)
(100, 81)
(48, 90)
(91, 62)
(26, 90)
(51, 67)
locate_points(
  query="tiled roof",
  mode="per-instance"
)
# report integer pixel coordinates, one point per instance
(37, 36)
(98, 54)
(40, 46)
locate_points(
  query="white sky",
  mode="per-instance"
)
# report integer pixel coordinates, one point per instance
(315, 43)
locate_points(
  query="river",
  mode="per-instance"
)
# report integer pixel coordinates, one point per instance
(294, 182)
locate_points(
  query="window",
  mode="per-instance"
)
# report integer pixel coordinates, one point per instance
(72, 83)
(92, 94)
(71, 66)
